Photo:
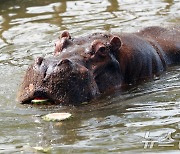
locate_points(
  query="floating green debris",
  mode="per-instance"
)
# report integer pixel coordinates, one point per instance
(39, 101)
(44, 150)
(56, 116)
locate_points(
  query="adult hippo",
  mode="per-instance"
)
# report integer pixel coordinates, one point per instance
(83, 68)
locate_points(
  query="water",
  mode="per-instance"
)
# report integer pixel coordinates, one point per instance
(127, 123)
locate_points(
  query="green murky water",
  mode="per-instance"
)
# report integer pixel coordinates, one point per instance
(145, 119)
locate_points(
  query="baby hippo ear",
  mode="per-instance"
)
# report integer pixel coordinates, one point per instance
(65, 34)
(115, 43)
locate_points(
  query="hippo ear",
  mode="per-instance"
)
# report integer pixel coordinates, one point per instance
(115, 43)
(62, 42)
(65, 34)
(60, 45)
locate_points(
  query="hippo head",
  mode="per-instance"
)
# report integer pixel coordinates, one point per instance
(81, 69)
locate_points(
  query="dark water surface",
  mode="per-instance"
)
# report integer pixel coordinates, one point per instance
(146, 119)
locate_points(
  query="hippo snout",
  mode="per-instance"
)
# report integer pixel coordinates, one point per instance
(60, 80)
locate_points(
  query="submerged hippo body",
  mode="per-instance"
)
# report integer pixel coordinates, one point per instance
(83, 68)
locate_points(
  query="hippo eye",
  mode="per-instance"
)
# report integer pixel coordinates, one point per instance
(102, 51)
(99, 48)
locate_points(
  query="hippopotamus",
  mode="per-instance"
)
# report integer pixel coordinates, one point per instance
(84, 68)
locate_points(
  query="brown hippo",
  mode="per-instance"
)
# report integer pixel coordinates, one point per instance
(86, 67)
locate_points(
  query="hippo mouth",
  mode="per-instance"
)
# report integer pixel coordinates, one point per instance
(37, 96)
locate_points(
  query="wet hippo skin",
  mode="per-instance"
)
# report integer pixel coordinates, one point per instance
(83, 68)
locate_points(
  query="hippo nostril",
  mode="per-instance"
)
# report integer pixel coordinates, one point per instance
(64, 61)
(39, 60)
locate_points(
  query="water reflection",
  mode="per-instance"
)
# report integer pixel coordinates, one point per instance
(12, 10)
(62, 13)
